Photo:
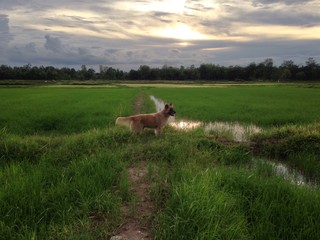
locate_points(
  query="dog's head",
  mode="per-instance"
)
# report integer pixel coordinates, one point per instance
(169, 109)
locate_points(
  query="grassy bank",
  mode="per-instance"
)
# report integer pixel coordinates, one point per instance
(298, 146)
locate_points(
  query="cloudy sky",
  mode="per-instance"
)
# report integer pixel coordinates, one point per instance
(127, 34)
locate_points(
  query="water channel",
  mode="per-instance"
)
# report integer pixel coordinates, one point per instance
(238, 132)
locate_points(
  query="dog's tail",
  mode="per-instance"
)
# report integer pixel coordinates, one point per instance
(124, 121)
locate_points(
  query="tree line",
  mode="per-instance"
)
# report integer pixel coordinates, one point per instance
(263, 71)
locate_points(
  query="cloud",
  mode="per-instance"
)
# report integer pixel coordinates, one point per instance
(53, 43)
(132, 33)
(5, 35)
(286, 2)
(30, 48)
(176, 51)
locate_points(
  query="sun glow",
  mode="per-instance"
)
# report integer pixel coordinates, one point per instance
(180, 31)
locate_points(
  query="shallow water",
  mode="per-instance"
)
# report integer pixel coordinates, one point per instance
(238, 132)
(284, 171)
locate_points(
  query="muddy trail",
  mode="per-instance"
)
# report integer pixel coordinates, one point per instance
(138, 213)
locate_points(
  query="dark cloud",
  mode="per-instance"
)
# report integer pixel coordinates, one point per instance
(176, 51)
(53, 43)
(280, 17)
(30, 48)
(286, 2)
(8, 4)
(5, 35)
(288, 16)
(83, 51)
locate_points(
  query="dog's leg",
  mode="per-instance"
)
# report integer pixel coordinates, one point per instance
(136, 128)
(157, 131)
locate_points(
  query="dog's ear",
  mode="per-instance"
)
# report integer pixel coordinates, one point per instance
(170, 104)
(166, 106)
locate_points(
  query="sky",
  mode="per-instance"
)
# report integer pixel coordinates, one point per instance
(127, 34)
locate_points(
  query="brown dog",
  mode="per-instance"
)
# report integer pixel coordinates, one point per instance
(155, 121)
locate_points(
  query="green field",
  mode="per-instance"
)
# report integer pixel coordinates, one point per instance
(63, 163)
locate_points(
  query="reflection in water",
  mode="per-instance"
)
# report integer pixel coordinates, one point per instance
(159, 103)
(284, 171)
(237, 131)
(185, 125)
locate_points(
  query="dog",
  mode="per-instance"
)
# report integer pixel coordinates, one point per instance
(137, 123)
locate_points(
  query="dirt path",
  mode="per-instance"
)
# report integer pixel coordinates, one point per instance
(138, 104)
(138, 214)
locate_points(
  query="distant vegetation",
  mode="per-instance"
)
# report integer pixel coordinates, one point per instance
(264, 71)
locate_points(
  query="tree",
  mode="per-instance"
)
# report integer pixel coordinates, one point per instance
(285, 74)
(144, 72)
(250, 71)
(268, 68)
(312, 69)
(291, 67)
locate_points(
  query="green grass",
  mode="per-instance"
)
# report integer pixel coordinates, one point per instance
(298, 146)
(66, 177)
(260, 105)
(69, 110)
(72, 187)
(225, 203)
(59, 110)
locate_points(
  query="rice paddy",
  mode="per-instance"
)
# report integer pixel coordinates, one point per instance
(64, 165)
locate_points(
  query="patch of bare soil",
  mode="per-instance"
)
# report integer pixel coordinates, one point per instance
(138, 214)
(138, 104)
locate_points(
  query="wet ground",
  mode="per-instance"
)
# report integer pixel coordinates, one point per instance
(237, 132)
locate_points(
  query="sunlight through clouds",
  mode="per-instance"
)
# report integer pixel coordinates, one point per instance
(177, 32)
(180, 31)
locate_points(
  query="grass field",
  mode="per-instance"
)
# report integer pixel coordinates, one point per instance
(261, 105)
(63, 163)
(62, 110)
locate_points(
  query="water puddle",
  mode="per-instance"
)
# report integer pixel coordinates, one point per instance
(159, 103)
(241, 133)
(280, 169)
(236, 131)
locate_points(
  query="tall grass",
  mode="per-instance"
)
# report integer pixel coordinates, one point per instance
(236, 203)
(299, 146)
(75, 183)
(204, 189)
(197, 209)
